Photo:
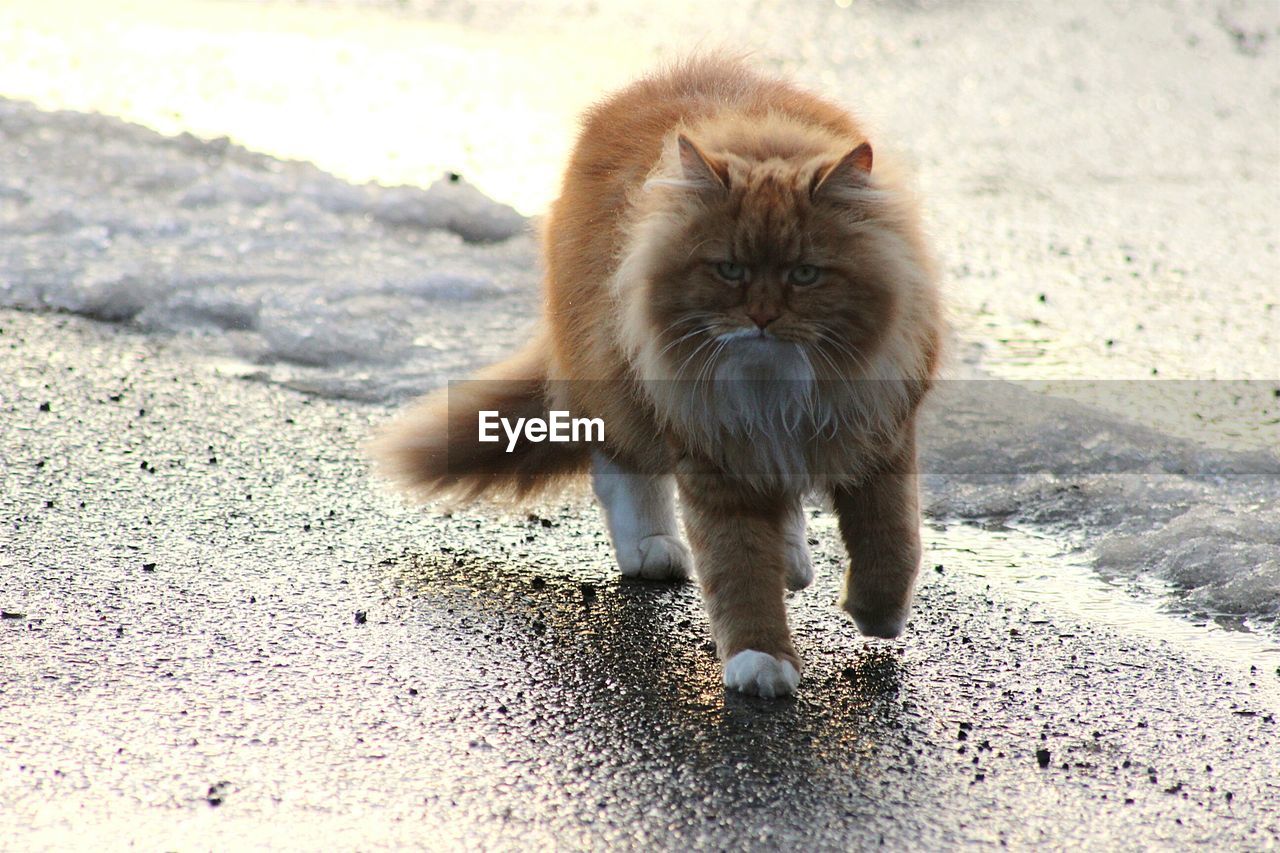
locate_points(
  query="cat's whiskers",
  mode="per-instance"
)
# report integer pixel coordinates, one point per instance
(836, 415)
(705, 371)
(703, 329)
(870, 406)
(810, 399)
(679, 371)
(842, 348)
(821, 352)
(707, 321)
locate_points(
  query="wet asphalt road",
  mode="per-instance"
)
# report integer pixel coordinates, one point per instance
(219, 633)
(185, 558)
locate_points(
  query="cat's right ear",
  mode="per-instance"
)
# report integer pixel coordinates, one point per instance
(699, 169)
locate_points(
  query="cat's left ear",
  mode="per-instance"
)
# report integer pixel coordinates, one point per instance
(700, 169)
(849, 172)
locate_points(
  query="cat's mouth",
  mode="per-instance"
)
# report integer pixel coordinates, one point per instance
(759, 355)
(744, 334)
(756, 340)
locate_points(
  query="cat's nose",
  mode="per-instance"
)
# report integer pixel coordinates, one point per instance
(763, 316)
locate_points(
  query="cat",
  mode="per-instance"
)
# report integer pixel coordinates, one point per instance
(742, 292)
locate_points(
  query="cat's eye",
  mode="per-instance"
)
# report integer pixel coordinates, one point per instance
(729, 271)
(804, 274)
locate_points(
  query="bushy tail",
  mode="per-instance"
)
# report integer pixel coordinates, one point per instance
(433, 448)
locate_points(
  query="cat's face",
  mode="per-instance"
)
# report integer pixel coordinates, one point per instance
(774, 262)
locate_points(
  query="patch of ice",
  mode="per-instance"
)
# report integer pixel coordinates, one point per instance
(446, 287)
(104, 292)
(228, 308)
(452, 204)
(1224, 561)
(334, 333)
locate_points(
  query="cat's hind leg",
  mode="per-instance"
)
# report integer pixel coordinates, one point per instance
(639, 510)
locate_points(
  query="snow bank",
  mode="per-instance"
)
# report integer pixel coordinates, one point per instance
(274, 263)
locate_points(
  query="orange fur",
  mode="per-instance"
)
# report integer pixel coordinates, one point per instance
(741, 290)
(432, 448)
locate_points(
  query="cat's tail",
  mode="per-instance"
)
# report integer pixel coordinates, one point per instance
(433, 449)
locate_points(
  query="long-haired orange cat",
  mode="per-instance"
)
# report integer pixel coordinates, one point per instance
(742, 295)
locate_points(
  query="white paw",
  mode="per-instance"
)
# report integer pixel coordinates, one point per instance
(656, 558)
(760, 674)
(799, 563)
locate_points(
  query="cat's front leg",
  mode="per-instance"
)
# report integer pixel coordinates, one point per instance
(639, 510)
(738, 541)
(880, 525)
